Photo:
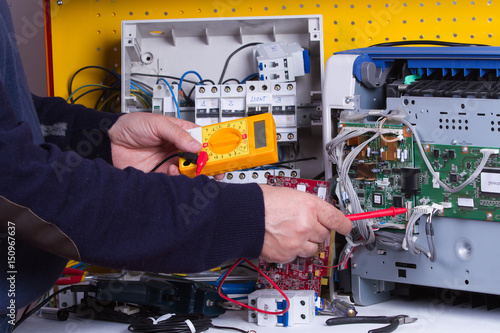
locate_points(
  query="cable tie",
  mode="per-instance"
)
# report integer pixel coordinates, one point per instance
(404, 246)
(190, 325)
(162, 318)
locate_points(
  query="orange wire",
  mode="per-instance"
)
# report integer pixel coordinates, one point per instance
(382, 136)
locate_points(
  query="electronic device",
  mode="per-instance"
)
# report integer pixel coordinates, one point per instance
(236, 144)
(125, 301)
(417, 128)
(303, 273)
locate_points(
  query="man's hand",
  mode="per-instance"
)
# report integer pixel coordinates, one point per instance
(296, 222)
(142, 140)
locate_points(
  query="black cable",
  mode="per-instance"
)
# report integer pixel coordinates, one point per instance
(91, 91)
(106, 93)
(425, 42)
(163, 161)
(70, 87)
(190, 157)
(250, 78)
(229, 328)
(164, 77)
(203, 81)
(174, 324)
(39, 306)
(296, 148)
(231, 79)
(231, 55)
(179, 324)
(144, 85)
(296, 160)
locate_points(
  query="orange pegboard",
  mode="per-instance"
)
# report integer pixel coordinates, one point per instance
(87, 32)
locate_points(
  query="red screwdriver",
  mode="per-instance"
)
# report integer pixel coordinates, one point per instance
(377, 213)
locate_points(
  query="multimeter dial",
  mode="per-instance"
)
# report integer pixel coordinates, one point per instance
(233, 145)
(226, 140)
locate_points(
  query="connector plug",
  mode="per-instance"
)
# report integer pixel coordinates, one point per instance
(492, 151)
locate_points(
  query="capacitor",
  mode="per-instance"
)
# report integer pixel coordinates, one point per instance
(368, 151)
(398, 153)
(375, 170)
(405, 154)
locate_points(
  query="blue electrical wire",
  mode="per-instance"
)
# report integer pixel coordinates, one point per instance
(184, 75)
(134, 85)
(173, 97)
(249, 77)
(280, 153)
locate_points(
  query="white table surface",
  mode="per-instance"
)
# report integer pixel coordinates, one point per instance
(432, 317)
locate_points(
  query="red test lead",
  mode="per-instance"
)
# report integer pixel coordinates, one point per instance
(377, 213)
(201, 161)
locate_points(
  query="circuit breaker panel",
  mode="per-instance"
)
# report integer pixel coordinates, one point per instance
(417, 128)
(214, 70)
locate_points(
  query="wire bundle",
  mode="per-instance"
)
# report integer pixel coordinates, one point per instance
(363, 231)
(348, 197)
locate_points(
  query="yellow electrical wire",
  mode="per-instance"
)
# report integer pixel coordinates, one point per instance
(103, 103)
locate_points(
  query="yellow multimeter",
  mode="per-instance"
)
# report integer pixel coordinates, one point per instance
(236, 144)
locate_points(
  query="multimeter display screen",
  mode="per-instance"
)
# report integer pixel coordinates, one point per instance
(259, 128)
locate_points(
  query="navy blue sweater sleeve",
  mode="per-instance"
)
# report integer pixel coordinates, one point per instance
(126, 218)
(75, 127)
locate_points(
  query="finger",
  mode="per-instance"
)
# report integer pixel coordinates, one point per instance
(333, 219)
(173, 170)
(308, 250)
(185, 124)
(220, 176)
(169, 131)
(319, 233)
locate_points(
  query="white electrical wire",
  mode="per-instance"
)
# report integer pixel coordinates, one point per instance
(479, 169)
(345, 189)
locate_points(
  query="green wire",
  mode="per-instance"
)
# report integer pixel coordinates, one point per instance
(87, 86)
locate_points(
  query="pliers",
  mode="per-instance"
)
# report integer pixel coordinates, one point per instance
(393, 322)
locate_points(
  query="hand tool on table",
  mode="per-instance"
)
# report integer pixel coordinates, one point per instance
(393, 321)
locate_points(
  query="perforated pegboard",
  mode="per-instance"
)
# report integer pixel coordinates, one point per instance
(87, 32)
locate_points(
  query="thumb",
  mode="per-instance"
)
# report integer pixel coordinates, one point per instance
(170, 132)
(332, 218)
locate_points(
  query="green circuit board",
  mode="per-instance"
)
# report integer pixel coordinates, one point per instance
(479, 200)
(384, 172)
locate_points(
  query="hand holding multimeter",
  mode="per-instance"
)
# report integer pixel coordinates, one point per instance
(232, 145)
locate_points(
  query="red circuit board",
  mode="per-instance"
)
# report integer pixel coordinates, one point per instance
(302, 273)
